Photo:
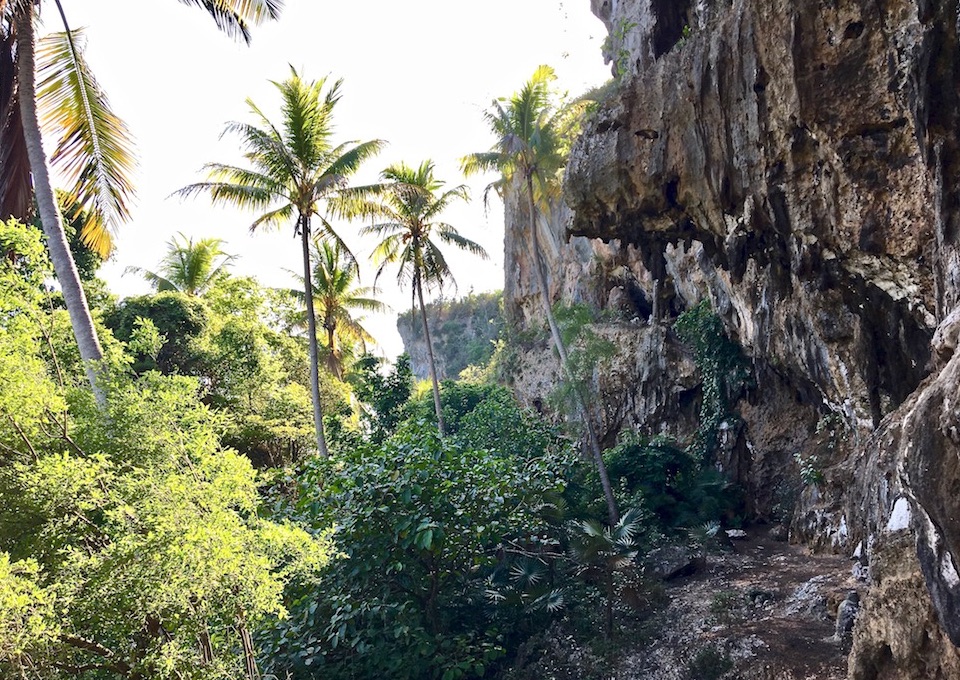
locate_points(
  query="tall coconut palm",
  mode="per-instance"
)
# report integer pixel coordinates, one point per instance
(412, 204)
(529, 153)
(93, 150)
(188, 267)
(295, 174)
(336, 297)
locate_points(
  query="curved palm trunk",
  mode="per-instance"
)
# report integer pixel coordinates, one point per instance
(63, 265)
(312, 337)
(333, 362)
(593, 440)
(433, 365)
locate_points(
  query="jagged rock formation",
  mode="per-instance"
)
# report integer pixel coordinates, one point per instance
(796, 164)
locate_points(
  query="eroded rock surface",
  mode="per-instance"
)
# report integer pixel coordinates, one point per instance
(797, 165)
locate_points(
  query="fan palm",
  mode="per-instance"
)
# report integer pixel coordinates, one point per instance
(529, 153)
(295, 174)
(93, 148)
(188, 267)
(412, 203)
(336, 296)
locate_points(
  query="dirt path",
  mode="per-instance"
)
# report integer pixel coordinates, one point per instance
(764, 610)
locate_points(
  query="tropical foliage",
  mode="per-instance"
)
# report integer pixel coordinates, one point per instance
(94, 149)
(295, 173)
(337, 296)
(532, 135)
(188, 267)
(130, 541)
(411, 236)
(174, 522)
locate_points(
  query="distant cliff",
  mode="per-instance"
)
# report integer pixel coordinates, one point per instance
(463, 332)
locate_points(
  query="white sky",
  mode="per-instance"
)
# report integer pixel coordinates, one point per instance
(417, 73)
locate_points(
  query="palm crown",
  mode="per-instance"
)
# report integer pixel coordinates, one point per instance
(295, 173)
(189, 267)
(336, 296)
(531, 139)
(412, 231)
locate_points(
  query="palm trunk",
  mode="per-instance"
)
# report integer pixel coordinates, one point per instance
(592, 439)
(333, 362)
(433, 365)
(63, 265)
(312, 337)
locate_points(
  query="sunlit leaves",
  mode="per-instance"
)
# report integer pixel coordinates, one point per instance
(27, 620)
(189, 266)
(94, 148)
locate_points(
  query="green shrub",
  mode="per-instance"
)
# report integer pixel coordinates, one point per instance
(723, 371)
(434, 532)
(669, 483)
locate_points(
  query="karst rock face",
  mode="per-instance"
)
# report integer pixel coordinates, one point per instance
(797, 164)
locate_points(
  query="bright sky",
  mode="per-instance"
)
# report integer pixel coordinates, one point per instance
(417, 73)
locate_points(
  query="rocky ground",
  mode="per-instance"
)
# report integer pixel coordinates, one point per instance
(763, 609)
(760, 609)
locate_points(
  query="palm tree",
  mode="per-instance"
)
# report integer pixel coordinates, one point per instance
(296, 173)
(336, 295)
(188, 267)
(94, 148)
(412, 204)
(530, 153)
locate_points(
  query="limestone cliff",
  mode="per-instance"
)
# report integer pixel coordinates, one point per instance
(463, 332)
(796, 163)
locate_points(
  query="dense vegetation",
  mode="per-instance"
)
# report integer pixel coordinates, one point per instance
(185, 493)
(187, 530)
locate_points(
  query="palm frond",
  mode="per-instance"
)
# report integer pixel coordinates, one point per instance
(274, 219)
(234, 17)
(158, 282)
(94, 148)
(448, 234)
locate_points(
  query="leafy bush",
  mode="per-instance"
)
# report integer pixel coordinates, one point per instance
(434, 532)
(669, 483)
(179, 318)
(708, 663)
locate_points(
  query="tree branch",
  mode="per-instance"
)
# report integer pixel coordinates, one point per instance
(23, 436)
(94, 647)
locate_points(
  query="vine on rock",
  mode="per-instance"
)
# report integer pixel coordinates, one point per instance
(723, 370)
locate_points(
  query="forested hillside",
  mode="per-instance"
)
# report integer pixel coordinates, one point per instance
(464, 332)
